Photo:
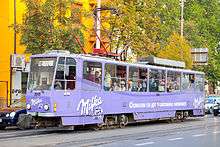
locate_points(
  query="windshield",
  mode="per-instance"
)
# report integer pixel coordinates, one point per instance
(41, 73)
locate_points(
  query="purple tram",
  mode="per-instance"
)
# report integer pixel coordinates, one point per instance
(70, 89)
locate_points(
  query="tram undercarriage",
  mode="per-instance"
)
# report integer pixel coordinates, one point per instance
(27, 121)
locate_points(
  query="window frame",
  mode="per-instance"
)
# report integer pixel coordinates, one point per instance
(180, 78)
(139, 77)
(165, 79)
(125, 78)
(101, 75)
(64, 79)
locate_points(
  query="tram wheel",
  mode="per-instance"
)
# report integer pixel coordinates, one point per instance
(123, 121)
(99, 127)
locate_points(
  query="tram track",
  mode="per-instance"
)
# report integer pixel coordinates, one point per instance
(152, 132)
(135, 136)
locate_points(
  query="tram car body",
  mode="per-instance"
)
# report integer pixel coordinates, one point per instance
(70, 89)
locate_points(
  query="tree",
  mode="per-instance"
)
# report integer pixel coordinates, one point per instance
(169, 13)
(177, 48)
(202, 30)
(135, 26)
(49, 25)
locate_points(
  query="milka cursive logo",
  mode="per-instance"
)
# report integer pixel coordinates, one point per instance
(198, 102)
(90, 106)
(35, 102)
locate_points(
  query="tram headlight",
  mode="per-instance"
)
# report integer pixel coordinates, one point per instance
(12, 114)
(46, 107)
(28, 106)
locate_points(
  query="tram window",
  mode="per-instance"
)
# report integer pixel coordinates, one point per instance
(70, 61)
(61, 60)
(173, 81)
(92, 71)
(185, 81)
(137, 79)
(115, 78)
(70, 73)
(65, 74)
(199, 82)
(59, 83)
(60, 72)
(157, 80)
(188, 81)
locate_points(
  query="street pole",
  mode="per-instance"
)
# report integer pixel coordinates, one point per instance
(182, 18)
(182, 25)
(98, 25)
(15, 24)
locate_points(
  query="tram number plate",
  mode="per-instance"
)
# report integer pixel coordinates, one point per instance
(0, 120)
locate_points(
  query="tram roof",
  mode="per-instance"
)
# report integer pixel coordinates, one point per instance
(109, 60)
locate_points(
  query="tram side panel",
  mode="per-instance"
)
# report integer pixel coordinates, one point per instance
(94, 103)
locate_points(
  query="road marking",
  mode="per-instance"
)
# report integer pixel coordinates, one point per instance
(199, 135)
(173, 139)
(216, 132)
(146, 143)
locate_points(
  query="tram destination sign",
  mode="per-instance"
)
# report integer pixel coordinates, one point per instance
(46, 63)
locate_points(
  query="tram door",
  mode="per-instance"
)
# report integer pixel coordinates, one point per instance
(65, 82)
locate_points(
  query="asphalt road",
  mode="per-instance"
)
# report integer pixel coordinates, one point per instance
(201, 132)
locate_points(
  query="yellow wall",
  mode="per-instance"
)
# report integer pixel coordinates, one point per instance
(7, 35)
(5, 46)
(7, 40)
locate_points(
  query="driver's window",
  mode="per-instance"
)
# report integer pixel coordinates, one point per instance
(59, 78)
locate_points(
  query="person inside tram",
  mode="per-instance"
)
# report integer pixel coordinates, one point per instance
(144, 84)
(140, 88)
(169, 85)
(97, 77)
(58, 85)
(107, 82)
(115, 86)
(71, 82)
(191, 81)
(122, 86)
(129, 85)
(135, 81)
(153, 84)
(90, 76)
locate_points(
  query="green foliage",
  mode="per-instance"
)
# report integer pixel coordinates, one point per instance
(169, 13)
(135, 27)
(202, 23)
(202, 19)
(178, 49)
(48, 26)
